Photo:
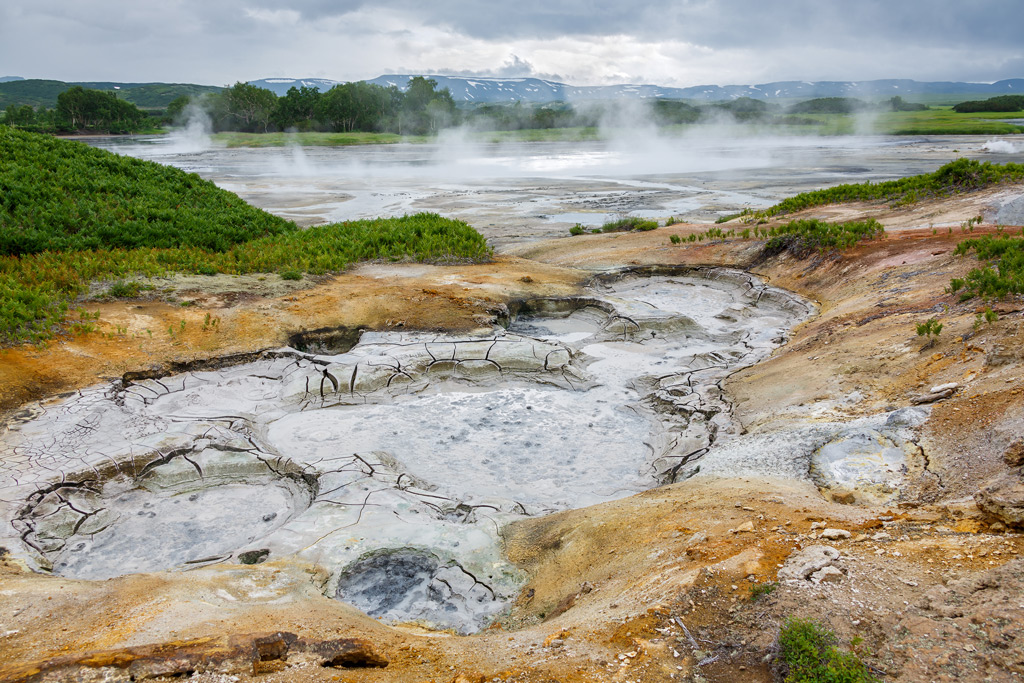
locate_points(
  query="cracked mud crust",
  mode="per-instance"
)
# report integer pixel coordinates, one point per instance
(680, 582)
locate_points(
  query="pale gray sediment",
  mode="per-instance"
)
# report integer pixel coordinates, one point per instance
(405, 454)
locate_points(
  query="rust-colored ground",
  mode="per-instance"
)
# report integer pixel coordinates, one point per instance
(933, 586)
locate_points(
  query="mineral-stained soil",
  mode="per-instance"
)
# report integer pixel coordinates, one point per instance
(684, 582)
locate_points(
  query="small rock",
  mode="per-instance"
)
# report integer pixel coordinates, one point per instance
(1003, 498)
(557, 642)
(968, 526)
(835, 534)
(938, 389)
(844, 498)
(881, 536)
(827, 575)
(803, 563)
(1014, 454)
(746, 527)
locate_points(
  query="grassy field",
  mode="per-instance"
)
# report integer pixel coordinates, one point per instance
(71, 214)
(313, 139)
(936, 121)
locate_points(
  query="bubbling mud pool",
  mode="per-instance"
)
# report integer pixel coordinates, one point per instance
(393, 464)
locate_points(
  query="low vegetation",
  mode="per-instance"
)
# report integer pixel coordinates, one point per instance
(57, 195)
(804, 237)
(1003, 272)
(808, 653)
(70, 214)
(962, 175)
(1000, 103)
(629, 224)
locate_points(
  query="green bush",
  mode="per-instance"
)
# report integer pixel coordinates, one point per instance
(809, 655)
(629, 223)
(291, 274)
(962, 175)
(1001, 276)
(70, 214)
(60, 195)
(124, 290)
(577, 230)
(929, 328)
(803, 237)
(675, 239)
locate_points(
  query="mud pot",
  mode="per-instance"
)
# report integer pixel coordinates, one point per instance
(394, 462)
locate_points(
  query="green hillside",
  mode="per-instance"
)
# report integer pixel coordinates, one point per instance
(71, 214)
(42, 93)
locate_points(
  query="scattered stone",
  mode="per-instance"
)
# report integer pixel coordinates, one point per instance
(746, 527)
(968, 526)
(835, 534)
(828, 574)
(1014, 454)
(1004, 499)
(254, 556)
(881, 536)
(937, 393)
(801, 564)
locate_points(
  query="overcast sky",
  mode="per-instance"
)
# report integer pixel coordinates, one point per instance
(581, 42)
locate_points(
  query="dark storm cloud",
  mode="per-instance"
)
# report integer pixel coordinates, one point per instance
(715, 23)
(675, 42)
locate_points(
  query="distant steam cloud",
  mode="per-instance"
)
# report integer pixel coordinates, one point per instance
(194, 135)
(1000, 147)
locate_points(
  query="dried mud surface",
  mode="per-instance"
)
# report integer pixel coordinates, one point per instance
(658, 586)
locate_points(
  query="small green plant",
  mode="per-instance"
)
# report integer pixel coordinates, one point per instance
(675, 239)
(988, 316)
(124, 290)
(672, 220)
(930, 328)
(629, 223)
(761, 590)
(809, 654)
(577, 229)
(291, 274)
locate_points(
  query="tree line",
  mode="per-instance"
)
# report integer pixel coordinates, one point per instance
(80, 110)
(418, 110)
(1000, 103)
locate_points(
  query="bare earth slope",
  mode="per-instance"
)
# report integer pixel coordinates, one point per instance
(683, 582)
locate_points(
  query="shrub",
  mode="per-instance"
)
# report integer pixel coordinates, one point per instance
(124, 290)
(803, 237)
(291, 274)
(809, 655)
(760, 590)
(1001, 276)
(675, 239)
(577, 230)
(962, 175)
(929, 328)
(629, 223)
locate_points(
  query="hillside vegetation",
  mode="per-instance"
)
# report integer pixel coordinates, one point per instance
(70, 214)
(962, 175)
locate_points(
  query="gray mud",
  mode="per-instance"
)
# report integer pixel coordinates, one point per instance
(395, 463)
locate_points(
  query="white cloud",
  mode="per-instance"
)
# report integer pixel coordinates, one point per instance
(669, 42)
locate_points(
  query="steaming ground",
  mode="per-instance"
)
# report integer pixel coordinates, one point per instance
(519, 192)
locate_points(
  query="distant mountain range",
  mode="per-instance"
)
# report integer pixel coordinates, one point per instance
(535, 90)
